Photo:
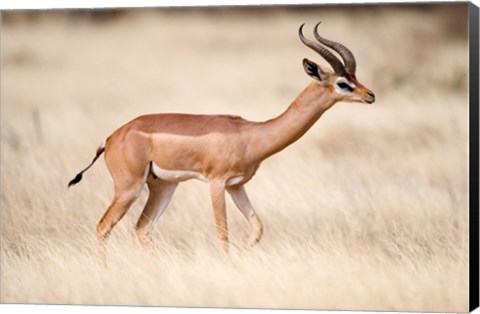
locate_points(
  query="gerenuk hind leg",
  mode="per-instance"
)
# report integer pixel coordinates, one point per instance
(128, 185)
(161, 193)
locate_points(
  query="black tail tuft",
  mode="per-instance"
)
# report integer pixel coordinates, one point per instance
(78, 177)
(75, 180)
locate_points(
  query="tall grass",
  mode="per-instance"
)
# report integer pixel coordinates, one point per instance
(367, 211)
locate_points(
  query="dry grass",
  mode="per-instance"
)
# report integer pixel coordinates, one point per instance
(367, 211)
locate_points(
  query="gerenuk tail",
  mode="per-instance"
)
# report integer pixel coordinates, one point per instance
(78, 177)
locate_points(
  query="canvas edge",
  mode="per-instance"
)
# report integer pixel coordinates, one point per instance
(473, 31)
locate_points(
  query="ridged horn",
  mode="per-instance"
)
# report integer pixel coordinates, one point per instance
(324, 52)
(344, 52)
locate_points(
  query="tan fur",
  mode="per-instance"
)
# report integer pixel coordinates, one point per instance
(221, 148)
(225, 150)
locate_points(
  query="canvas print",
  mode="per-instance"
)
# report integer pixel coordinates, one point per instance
(285, 157)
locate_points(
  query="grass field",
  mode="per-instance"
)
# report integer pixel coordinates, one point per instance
(367, 211)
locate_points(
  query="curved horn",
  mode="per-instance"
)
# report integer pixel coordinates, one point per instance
(347, 55)
(324, 52)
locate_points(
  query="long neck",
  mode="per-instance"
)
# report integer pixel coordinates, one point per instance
(272, 136)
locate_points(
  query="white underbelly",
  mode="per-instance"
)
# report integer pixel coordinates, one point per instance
(234, 180)
(184, 175)
(176, 175)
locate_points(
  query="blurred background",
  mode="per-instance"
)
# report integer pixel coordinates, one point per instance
(370, 203)
(146, 56)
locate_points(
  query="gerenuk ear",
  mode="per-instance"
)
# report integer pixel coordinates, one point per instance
(313, 70)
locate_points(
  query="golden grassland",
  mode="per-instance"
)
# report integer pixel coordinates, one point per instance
(367, 211)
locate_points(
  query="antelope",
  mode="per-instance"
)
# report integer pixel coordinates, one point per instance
(162, 150)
